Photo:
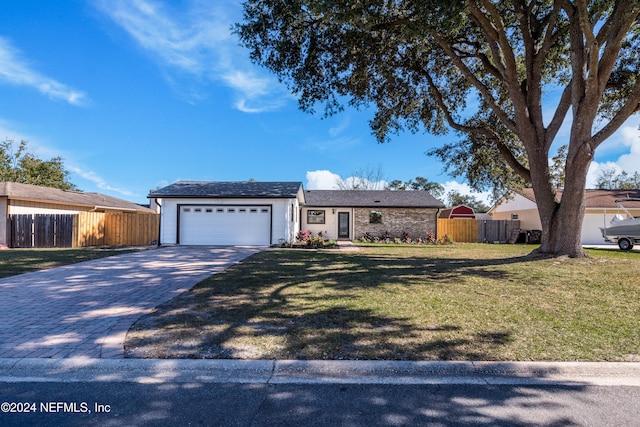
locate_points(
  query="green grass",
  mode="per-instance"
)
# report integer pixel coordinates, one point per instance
(459, 302)
(19, 261)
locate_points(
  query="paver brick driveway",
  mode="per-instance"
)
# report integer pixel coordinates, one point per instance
(86, 309)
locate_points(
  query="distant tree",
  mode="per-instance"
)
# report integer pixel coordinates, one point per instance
(19, 165)
(610, 179)
(397, 185)
(418, 183)
(369, 178)
(455, 198)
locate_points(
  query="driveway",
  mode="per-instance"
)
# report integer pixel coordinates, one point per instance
(86, 309)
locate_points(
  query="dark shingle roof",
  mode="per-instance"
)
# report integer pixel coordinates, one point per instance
(228, 189)
(18, 191)
(369, 198)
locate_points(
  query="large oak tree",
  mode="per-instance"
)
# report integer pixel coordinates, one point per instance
(485, 68)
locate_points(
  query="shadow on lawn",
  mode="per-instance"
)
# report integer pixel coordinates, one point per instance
(267, 308)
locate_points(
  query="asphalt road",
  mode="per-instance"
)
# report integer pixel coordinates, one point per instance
(134, 392)
(233, 404)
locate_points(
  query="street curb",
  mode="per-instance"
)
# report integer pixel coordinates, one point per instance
(158, 371)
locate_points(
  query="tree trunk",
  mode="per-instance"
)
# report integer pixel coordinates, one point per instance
(562, 220)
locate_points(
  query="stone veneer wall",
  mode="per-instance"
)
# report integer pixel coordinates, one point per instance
(415, 221)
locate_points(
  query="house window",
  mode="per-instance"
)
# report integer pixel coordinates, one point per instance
(209, 210)
(220, 210)
(315, 217)
(514, 217)
(186, 210)
(375, 217)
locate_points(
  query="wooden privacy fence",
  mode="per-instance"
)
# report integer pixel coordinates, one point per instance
(81, 230)
(40, 231)
(478, 231)
(110, 229)
(459, 230)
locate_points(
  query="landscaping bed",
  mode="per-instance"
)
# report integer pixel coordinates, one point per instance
(400, 302)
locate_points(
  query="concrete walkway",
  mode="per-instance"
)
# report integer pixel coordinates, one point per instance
(86, 309)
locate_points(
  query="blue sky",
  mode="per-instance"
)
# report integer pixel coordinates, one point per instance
(137, 94)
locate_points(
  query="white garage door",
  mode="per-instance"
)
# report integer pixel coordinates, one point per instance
(225, 225)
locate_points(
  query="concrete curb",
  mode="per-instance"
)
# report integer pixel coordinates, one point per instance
(159, 371)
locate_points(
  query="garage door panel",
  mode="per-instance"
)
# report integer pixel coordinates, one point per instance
(233, 225)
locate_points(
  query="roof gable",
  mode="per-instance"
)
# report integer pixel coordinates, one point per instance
(19, 191)
(233, 189)
(371, 198)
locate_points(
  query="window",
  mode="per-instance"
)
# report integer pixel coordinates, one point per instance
(514, 217)
(231, 210)
(254, 210)
(186, 210)
(209, 210)
(375, 217)
(242, 210)
(315, 217)
(220, 210)
(197, 210)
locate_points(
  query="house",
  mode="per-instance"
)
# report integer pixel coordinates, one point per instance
(458, 212)
(17, 199)
(228, 213)
(264, 213)
(349, 214)
(600, 208)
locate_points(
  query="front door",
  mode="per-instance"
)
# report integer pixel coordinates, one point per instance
(343, 225)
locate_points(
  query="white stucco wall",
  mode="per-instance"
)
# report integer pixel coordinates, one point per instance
(282, 213)
(330, 227)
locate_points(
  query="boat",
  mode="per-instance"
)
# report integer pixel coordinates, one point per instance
(623, 231)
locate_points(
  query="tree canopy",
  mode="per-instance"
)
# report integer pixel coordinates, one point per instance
(505, 74)
(19, 165)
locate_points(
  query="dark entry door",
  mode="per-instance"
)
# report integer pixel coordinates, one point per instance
(343, 225)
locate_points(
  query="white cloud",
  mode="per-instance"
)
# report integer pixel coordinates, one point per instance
(14, 70)
(322, 180)
(197, 40)
(100, 182)
(627, 137)
(340, 127)
(327, 180)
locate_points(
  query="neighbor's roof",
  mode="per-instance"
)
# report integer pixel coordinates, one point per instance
(371, 198)
(243, 189)
(597, 198)
(36, 193)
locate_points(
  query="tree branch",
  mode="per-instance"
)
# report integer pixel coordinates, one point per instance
(504, 150)
(631, 106)
(471, 77)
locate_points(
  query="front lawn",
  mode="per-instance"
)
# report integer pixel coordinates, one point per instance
(458, 302)
(19, 261)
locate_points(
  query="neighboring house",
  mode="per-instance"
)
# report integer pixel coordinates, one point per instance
(600, 208)
(16, 199)
(264, 213)
(459, 212)
(349, 214)
(228, 213)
